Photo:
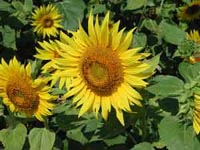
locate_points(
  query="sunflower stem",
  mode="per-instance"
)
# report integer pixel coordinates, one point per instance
(144, 124)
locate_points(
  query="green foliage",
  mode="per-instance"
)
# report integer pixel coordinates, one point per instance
(164, 122)
(177, 136)
(13, 137)
(72, 13)
(41, 139)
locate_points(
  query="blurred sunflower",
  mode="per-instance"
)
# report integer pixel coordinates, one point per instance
(23, 94)
(46, 20)
(49, 51)
(105, 71)
(196, 116)
(195, 37)
(190, 12)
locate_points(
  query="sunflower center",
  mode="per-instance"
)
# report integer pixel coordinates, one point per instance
(22, 95)
(193, 9)
(47, 22)
(102, 71)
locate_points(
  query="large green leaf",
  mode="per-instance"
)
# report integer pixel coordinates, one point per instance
(171, 33)
(72, 11)
(135, 4)
(143, 146)
(13, 138)
(41, 139)
(190, 72)
(177, 136)
(165, 86)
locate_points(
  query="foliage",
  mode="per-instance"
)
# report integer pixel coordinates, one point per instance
(163, 123)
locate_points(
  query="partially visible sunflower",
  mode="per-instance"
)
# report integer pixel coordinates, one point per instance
(105, 71)
(190, 12)
(50, 51)
(195, 37)
(196, 116)
(23, 94)
(46, 20)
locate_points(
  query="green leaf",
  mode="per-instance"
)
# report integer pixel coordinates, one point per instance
(72, 11)
(165, 86)
(116, 140)
(171, 33)
(143, 146)
(190, 72)
(13, 138)
(28, 5)
(139, 40)
(77, 135)
(151, 25)
(135, 4)
(177, 136)
(153, 62)
(8, 35)
(5, 6)
(41, 139)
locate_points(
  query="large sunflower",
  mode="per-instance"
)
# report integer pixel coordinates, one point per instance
(49, 51)
(105, 71)
(190, 12)
(23, 94)
(46, 20)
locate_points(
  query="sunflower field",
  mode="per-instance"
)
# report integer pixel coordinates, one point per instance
(99, 74)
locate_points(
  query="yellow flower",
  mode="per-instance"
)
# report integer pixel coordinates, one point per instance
(194, 36)
(105, 71)
(46, 20)
(23, 94)
(196, 115)
(190, 12)
(50, 51)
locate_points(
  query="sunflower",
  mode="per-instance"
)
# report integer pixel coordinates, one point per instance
(195, 37)
(190, 12)
(49, 51)
(196, 115)
(23, 94)
(46, 20)
(105, 71)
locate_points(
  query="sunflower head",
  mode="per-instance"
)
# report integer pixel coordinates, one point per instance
(194, 36)
(46, 20)
(105, 71)
(23, 94)
(196, 119)
(190, 12)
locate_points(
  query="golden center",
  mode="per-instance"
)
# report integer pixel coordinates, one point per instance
(102, 71)
(22, 95)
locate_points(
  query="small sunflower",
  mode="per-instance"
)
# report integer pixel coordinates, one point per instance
(196, 115)
(195, 37)
(23, 94)
(105, 71)
(190, 12)
(49, 51)
(46, 20)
